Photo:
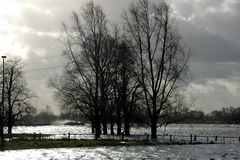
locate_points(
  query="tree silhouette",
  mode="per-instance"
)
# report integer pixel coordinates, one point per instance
(161, 58)
(17, 95)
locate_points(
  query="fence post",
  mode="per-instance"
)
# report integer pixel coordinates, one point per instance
(195, 138)
(34, 136)
(122, 136)
(147, 136)
(190, 138)
(216, 137)
(239, 139)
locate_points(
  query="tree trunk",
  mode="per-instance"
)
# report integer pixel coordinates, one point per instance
(97, 126)
(103, 103)
(10, 123)
(126, 117)
(93, 130)
(154, 130)
(10, 105)
(104, 123)
(127, 127)
(103, 116)
(10, 131)
(112, 125)
(154, 118)
(119, 122)
(92, 124)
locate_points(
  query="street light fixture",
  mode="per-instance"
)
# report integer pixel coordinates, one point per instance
(2, 109)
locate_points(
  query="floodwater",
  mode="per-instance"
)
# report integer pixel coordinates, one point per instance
(226, 151)
(175, 129)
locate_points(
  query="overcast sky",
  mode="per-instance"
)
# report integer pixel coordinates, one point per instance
(31, 28)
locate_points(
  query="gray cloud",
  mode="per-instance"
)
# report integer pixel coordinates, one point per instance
(208, 46)
(210, 28)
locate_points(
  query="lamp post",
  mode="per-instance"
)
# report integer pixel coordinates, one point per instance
(2, 109)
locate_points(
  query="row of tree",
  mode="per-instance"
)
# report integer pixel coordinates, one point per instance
(115, 75)
(229, 115)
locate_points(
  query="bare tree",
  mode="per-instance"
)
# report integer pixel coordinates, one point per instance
(18, 96)
(161, 58)
(88, 47)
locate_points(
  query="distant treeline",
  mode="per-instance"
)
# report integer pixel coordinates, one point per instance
(48, 117)
(227, 115)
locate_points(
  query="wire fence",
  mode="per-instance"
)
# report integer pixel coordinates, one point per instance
(160, 138)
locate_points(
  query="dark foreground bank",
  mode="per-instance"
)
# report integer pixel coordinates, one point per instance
(50, 143)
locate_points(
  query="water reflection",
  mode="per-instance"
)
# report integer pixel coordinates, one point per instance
(137, 153)
(181, 129)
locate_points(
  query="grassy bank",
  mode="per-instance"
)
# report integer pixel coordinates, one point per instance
(66, 143)
(48, 143)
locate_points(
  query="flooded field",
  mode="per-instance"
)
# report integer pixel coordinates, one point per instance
(166, 152)
(180, 129)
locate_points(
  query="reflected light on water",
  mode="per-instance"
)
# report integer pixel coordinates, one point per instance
(137, 153)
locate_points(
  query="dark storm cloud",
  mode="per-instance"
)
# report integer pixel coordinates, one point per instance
(207, 46)
(211, 29)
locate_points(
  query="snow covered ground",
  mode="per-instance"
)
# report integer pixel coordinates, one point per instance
(165, 152)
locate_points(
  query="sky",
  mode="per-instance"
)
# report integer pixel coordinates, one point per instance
(30, 29)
